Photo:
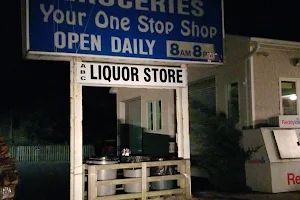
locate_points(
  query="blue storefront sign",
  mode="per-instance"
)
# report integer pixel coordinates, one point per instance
(167, 30)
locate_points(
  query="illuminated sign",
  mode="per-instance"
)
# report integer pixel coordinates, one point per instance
(188, 31)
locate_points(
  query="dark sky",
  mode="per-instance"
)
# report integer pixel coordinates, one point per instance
(259, 18)
(23, 81)
(263, 18)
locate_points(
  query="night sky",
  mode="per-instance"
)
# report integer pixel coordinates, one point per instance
(25, 84)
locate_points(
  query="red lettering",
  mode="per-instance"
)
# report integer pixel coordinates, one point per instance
(290, 177)
(287, 122)
(297, 179)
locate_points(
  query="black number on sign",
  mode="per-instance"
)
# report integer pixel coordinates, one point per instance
(197, 51)
(174, 49)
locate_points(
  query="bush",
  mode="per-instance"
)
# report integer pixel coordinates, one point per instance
(217, 149)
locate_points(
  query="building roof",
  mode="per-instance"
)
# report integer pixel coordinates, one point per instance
(272, 43)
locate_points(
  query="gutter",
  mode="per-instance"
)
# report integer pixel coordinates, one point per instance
(254, 49)
(249, 57)
(276, 44)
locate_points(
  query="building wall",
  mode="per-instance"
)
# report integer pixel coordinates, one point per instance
(168, 107)
(269, 64)
(234, 69)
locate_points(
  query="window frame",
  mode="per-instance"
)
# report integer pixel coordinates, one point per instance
(228, 87)
(297, 81)
(154, 115)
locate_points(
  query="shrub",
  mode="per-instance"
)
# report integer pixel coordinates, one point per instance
(217, 149)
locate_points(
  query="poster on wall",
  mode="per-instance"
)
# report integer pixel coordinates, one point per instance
(180, 31)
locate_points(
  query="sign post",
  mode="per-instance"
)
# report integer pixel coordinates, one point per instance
(76, 161)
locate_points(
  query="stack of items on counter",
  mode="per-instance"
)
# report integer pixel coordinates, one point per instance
(8, 173)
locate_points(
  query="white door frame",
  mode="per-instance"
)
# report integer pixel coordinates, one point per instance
(76, 161)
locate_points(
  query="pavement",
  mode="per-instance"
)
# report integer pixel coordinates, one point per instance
(212, 195)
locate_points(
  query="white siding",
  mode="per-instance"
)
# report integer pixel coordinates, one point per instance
(236, 50)
(168, 107)
(269, 66)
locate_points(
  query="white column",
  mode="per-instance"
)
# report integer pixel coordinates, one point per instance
(186, 133)
(179, 134)
(185, 118)
(76, 162)
(182, 111)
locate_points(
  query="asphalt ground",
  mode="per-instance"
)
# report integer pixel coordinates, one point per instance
(212, 195)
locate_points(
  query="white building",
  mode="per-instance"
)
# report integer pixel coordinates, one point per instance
(262, 70)
(259, 80)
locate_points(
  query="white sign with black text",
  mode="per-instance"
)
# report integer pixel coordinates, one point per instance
(133, 75)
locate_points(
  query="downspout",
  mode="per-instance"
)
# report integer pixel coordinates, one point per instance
(249, 60)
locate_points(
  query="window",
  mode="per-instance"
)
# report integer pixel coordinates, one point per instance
(288, 97)
(154, 115)
(233, 102)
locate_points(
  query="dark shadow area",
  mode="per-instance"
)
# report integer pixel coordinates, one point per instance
(43, 181)
(200, 184)
(99, 115)
(47, 125)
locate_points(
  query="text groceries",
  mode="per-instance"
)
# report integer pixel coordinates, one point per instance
(115, 74)
(187, 29)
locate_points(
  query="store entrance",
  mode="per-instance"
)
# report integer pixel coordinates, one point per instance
(133, 121)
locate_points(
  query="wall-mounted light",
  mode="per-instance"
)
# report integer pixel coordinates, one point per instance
(293, 97)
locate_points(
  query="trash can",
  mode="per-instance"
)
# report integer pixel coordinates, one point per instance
(162, 171)
(134, 173)
(105, 174)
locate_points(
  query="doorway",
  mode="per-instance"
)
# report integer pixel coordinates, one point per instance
(99, 120)
(133, 123)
